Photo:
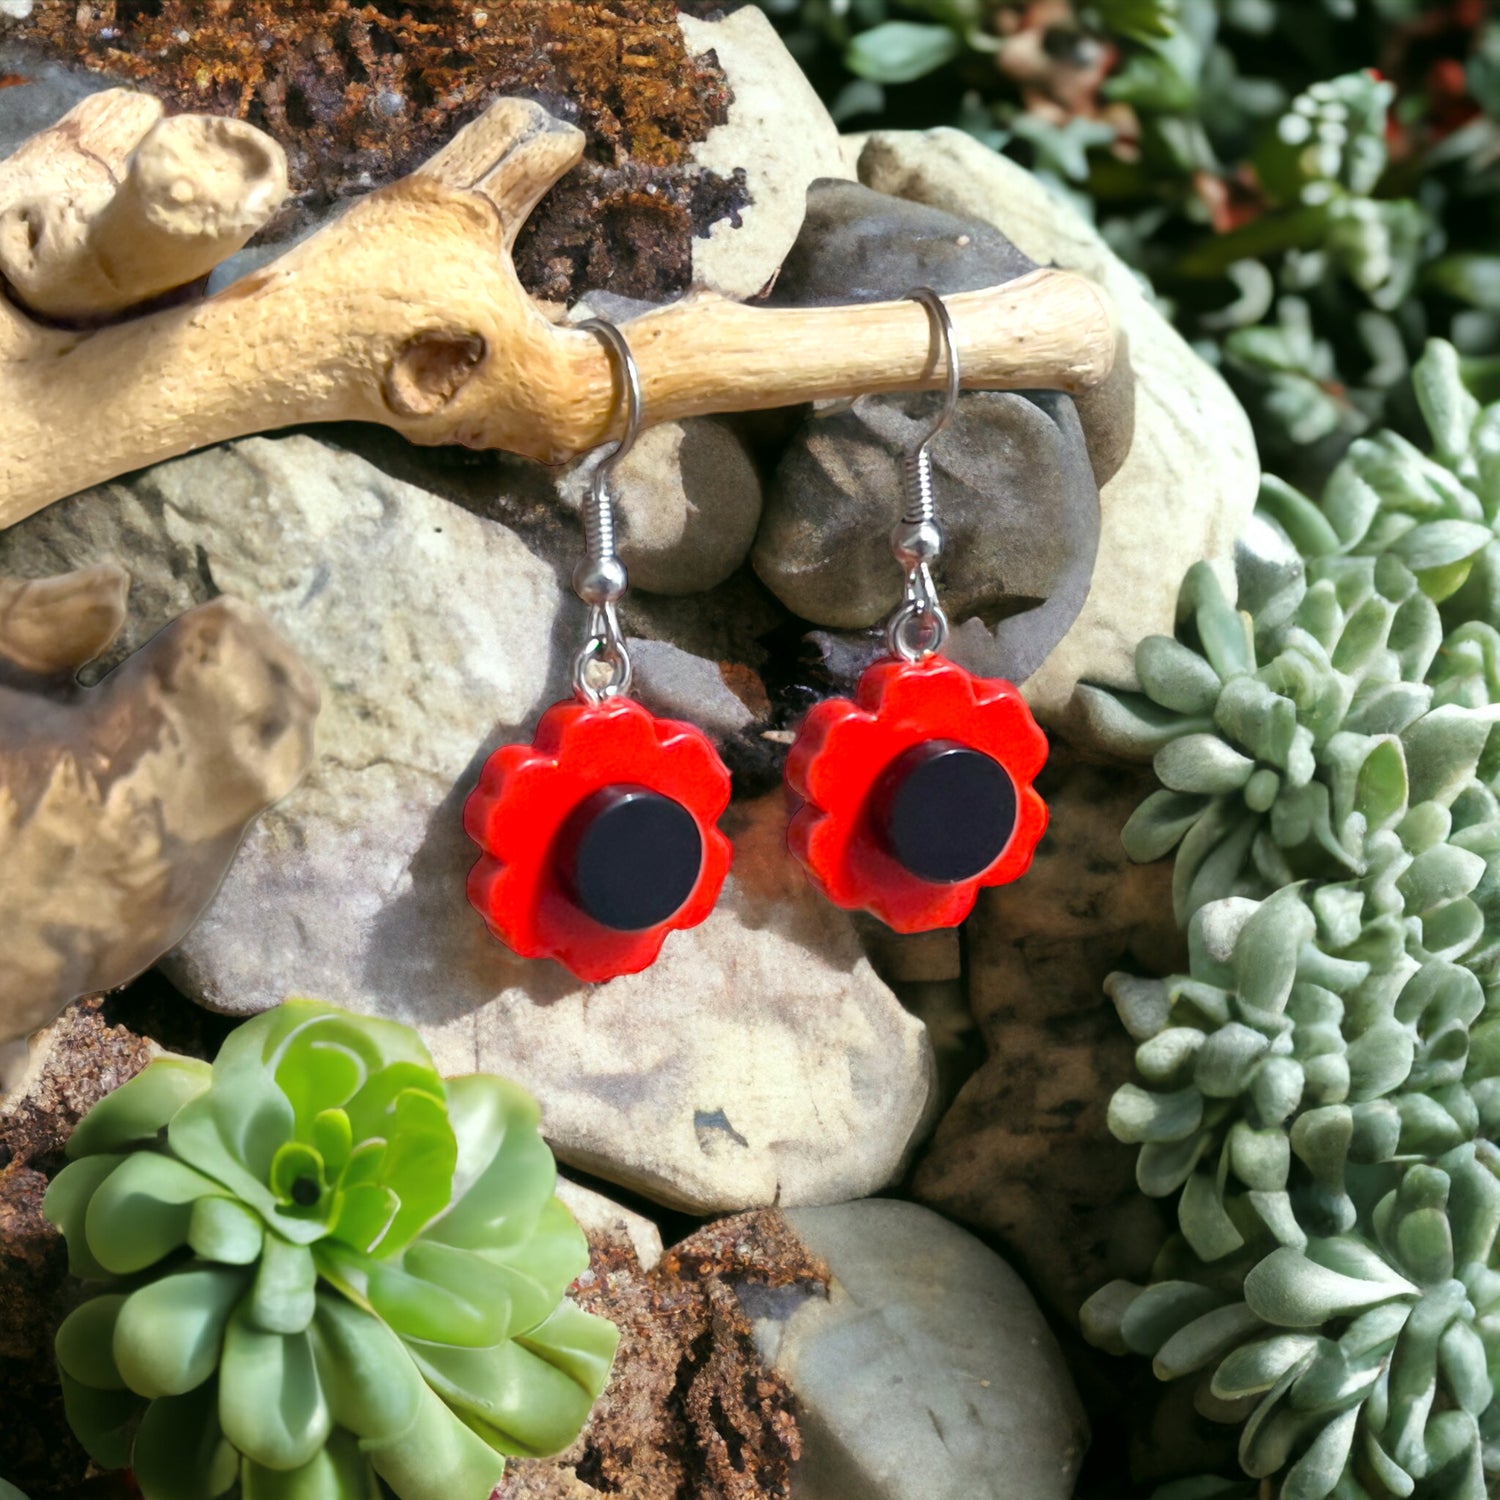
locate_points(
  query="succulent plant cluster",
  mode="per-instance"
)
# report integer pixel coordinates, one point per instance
(1338, 729)
(317, 1266)
(1311, 186)
(1321, 1089)
(1360, 1364)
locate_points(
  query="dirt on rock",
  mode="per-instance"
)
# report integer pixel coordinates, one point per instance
(360, 93)
(691, 1410)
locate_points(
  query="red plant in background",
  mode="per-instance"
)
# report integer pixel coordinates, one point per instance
(1426, 57)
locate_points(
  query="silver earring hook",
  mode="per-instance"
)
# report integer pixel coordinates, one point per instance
(919, 627)
(942, 327)
(600, 577)
(630, 379)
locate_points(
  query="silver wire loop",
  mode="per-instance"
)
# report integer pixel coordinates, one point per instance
(601, 667)
(919, 627)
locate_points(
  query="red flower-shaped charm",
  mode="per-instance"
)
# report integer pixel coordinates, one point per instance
(598, 837)
(917, 792)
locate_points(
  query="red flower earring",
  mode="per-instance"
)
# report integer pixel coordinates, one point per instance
(917, 792)
(599, 837)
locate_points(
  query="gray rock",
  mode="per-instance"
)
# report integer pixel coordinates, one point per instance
(858, 245)
(1024, 1153)
(1188, 483)
(674, 683)
(759, 1060)
(925, 969)
(1016, 488)
(778, 135)
(927, 1373)
(687, 503)
(50, 91)
(1016, 496)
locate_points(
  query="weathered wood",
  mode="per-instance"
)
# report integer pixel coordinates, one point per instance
(406, 310)
(115, 205)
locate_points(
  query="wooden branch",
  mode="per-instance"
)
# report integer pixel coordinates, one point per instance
(52, 626)
(115, 205)
(406, 310)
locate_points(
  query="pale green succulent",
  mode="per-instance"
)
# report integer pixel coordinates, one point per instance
(1361, 1365)
(316, 1267)
(1291, 743)
(1293, 751)
(1275, 1066)
(1324, 160)
(10, 1492)
(1323, 1086)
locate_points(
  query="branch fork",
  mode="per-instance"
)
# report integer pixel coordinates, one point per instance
(406, 310)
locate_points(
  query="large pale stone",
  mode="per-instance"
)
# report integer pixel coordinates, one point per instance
(778, 134)
(760, 1060)
(926, 1373)
(1188, 483)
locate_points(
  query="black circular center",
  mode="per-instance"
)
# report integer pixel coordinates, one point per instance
(306, 1192)
(944, 811)
(630, 857)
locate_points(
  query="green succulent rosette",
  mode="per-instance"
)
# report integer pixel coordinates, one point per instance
(10, 1492)
(318, 1263)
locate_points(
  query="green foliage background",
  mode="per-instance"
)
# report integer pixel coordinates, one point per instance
(1319, 1095)
(1310, 187)
(1308, 224)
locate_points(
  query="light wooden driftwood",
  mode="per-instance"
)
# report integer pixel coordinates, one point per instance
(406, 310)
(115, 204)
(122, 804)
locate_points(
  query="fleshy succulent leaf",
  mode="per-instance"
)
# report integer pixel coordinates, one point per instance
(437, 1457)
(320, 1268)
(339, 1471)
(1323, 1085)
(271, 1401)
(143, 1211)
(85, 1343)
(180, 1453)
(136, 1111)
(373, 1388)
(527, 1395)
(168, 1335)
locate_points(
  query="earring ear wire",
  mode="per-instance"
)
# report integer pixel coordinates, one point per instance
(599, 838)
(919, 628)
(600, 579)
